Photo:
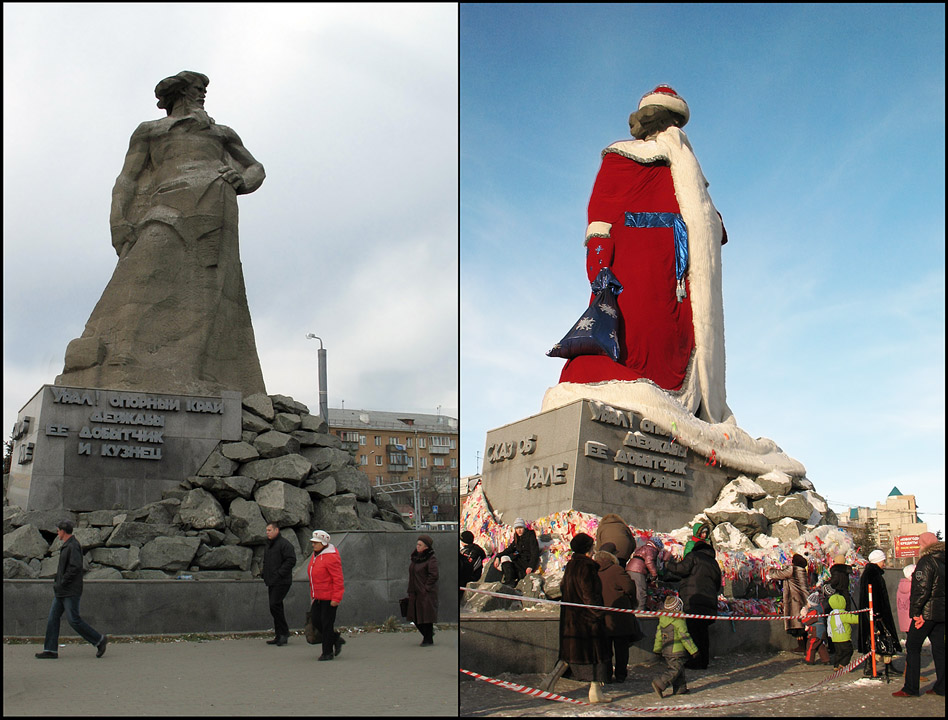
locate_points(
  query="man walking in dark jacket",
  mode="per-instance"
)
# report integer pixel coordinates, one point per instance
(279, 558)
(67, 589)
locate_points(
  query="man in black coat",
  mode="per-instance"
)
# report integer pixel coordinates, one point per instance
(700, 586)
(279, 558)
(67, 590)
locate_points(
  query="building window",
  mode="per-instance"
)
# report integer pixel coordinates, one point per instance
(363, 460)
(361, 439)
(378, 460)
(411, 461)
(378, 441)
(348, 436)
(454, 444)
(421, 443)
(454, 462)
(424, 463)
(439, 462)
(408, 443)
(440, 442)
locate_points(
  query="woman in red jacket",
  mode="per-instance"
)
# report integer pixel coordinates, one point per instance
(326, 589)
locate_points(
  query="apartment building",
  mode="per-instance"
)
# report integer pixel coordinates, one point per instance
(405, 452)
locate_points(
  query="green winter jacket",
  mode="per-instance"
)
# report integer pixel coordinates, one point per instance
(695, 535)
(672, 638)
(839, 624)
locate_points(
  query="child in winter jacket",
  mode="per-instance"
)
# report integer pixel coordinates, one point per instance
(840, 629)
(672, 641)
(815, 631)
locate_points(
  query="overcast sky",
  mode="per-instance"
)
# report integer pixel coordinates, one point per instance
(353, 112)
(821, 131)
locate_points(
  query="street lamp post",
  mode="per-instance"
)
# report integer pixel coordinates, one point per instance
(417, 483)
(323, 395)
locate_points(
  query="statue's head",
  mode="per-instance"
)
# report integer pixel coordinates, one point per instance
(658, 110)
(185, 85)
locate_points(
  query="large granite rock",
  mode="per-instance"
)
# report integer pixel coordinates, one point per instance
(284, 504)
(24, 543)
(18, 570)
(273, 444)
(785, 506)
(786, 530)
(247, 523)
(122, 558)
(286, 422)
(750, 522)
(169, 553)
(336, 513)
(239, 451)
(224, 557)
(351, 480)
(728, 537)
(200, 510)
(326, 459)
(259, 404)
(136, 533)
(288, 468)
(775, 483)
(478, 602)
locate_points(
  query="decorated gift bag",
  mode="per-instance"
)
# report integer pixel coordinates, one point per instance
(597, 330)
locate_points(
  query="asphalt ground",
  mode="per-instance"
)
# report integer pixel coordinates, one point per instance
(732, 680)
(377, 673)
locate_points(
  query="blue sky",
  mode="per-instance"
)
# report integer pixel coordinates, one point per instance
(821, 131)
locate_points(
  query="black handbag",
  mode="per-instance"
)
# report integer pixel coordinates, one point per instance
(313, 634)
(403, 606)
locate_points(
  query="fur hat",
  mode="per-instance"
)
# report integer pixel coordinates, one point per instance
(609, 548)
(926, 539)
(426, 539)
(876, 556)
(581, 543)
(666, 97)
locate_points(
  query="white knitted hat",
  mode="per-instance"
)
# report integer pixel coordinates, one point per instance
(876, 556)
(666, 97)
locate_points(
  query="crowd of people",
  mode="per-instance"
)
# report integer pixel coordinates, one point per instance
(612, 570)
(325, 580)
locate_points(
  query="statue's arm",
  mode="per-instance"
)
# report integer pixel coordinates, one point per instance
(249, 174)
(124, 190)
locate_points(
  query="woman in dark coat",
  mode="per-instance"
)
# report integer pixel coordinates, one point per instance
(423, 589)
(700, 586)
(618, 591)
(794, 598)
(887, 634)
(584, 644)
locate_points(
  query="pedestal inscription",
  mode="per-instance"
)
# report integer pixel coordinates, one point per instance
(598, 459)
(84, 449)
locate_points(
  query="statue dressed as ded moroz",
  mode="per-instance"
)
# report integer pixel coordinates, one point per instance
(174, 316)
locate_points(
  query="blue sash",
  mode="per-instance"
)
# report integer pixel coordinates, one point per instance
(667, 220)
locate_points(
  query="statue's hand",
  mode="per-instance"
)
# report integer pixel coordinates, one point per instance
(123, 238)
(232, 176)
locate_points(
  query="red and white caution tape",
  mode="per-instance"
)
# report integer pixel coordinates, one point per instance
(545, 695)
(643, 613)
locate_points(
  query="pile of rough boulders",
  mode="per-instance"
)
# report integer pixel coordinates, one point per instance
(285, 469)
(770, 510)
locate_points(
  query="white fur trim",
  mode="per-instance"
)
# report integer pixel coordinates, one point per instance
(597, 228)
(674, 103)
